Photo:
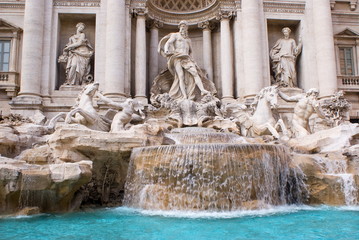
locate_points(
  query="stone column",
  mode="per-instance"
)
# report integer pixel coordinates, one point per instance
(140, 59)
(252, 47)
(32, 49)
(13, 54)
(238, 55)
(226, 57)
(207, 48)
(154, 39)
(326, 63)
(115, 48)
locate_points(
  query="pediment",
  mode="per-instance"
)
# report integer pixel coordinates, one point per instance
(347, 33)
(7, 26)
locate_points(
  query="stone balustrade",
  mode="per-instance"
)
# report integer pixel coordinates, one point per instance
(10, 82)
(348, 82)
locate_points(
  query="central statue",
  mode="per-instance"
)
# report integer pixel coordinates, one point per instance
(188, 81)
(183, 88)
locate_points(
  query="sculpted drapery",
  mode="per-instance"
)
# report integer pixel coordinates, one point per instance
(284, 54)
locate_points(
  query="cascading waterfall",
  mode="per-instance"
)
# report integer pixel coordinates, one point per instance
(339, 168)
(212, 176)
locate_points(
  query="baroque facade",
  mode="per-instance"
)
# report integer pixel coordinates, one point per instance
(231, 39)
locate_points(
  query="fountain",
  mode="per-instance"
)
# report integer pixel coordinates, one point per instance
(199, 174)
(187, 150)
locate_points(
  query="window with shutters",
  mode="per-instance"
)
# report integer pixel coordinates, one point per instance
(4, 55)
(346, 60)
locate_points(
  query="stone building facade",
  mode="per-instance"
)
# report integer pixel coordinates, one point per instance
(231, 42)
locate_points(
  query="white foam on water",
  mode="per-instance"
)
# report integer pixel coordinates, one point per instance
(348, 208)
(219, 215)
(24, 216)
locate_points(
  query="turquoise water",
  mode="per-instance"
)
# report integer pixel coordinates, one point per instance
(287, 223)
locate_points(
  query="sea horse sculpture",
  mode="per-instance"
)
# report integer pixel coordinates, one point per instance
(262, 121)
(84, 113)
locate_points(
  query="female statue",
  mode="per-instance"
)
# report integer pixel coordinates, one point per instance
(77, 55)
(284, 54)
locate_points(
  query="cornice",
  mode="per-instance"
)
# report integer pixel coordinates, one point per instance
(12, 5)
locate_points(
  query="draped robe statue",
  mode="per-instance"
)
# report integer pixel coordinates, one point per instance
(284, 54)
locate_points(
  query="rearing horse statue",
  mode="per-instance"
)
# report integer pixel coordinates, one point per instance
(84, 113)
(262, 121)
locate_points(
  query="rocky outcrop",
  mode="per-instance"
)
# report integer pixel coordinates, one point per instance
(16, 138)
(49, 187)
(331, 140)
(328, 178)
(77, 166)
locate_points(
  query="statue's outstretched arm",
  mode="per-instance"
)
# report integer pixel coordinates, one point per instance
(289, 99)
(109, 101)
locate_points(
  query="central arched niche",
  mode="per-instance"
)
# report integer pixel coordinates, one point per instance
(171, 12)
(182, 5)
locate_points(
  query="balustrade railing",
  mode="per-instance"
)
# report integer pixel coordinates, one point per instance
(348, 82)
(10, 82)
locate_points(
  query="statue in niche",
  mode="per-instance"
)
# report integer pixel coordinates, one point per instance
(77, 55)
(187, 80)
(182, 87)
(283, 55)
(307, 104)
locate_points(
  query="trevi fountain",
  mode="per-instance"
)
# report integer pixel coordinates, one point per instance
(186, 165)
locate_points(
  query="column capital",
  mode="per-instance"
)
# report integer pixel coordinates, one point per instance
(154, 24)
(206, 26)
(140, 12)
(225, 15)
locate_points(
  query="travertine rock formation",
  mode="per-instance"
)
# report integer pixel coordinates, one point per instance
(50, 187)
(78, 166)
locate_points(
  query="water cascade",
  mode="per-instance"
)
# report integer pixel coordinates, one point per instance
(339, 168)
(203, 175)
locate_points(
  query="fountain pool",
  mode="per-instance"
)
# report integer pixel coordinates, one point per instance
(279, 223)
